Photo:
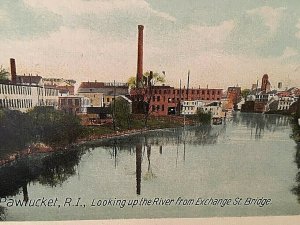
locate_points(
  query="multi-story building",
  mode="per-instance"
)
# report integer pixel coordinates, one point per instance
(74, 104)
(25, 92)
(65, 87)
(191, 107)
(102, 94)
(166, 100)
(233, 97)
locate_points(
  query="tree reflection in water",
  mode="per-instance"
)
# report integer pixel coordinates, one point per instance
(55, 168)
(296, 189)
(260, 122)
(2, 213)
(47, 169)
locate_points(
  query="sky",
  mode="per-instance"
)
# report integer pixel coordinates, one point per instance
(222, 43)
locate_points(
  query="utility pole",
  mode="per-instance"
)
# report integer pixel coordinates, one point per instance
(114, 107)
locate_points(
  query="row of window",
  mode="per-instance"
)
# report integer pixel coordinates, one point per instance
(16, 90)
(47, 91)
(16, 103)
(285, 102)
(158, 99)
(203, 92)
(283, 107)
(158, 108)
(69, 102)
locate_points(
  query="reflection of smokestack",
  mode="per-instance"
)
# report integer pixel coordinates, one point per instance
(139, 75)
(13, 71)
(138, 168)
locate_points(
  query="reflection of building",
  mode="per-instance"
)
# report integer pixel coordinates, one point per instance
(25, 92)
(166, 100)
(101, 94)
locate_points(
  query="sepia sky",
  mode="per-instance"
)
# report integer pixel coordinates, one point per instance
(223, 43)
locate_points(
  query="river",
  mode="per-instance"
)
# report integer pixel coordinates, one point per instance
(248, 165)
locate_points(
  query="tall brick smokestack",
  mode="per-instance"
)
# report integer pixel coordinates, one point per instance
(13, 71)
(139, 75)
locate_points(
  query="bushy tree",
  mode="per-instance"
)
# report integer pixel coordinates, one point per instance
(15, 129)
(203, 117)
(122, 113)
(54, 127)
(3, 74)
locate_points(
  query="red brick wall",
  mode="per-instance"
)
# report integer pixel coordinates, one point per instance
(164, 97)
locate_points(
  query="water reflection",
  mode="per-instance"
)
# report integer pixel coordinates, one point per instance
(258, 123)
(47, 169)
(138, 160)
(296, 189)
(2, 213)
(54, 169)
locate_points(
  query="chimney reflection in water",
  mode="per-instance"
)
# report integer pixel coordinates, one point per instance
(138, 153)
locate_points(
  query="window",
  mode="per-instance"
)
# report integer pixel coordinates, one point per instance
(69, 101)
(153, 108)
(158, 98)
(162, 107)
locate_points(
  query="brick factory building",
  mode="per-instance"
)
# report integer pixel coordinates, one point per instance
(166, 100)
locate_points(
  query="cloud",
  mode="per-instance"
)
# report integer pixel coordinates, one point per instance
(289, 52)
(271, 16)
(298, 32)
(20, 21)
(215, 34)
(107, 7)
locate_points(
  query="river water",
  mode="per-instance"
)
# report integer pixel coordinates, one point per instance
(167, 173)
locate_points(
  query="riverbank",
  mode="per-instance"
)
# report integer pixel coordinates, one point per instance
(94, 133)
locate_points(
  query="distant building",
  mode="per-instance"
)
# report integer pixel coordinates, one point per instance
(65, 87)
(24, 92)
(166, 100)
(73, 104)
(265, 83)
(101, 94)
(233, 97)
(191, 107)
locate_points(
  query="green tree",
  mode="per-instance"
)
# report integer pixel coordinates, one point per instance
(203, 117)
(245, 93)
(15, 130)
(54, 127)
(122, 113)
(156, 79)
(3, 74)
(145, 93)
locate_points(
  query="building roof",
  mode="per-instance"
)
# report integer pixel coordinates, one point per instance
(24, 79)
(101, 84)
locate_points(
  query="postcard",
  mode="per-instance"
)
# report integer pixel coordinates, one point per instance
(128, 110)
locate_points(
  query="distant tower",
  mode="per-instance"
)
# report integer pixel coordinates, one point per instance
(139, 74)
(265, 84)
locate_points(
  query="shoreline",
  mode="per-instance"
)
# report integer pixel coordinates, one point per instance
(39, 148)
